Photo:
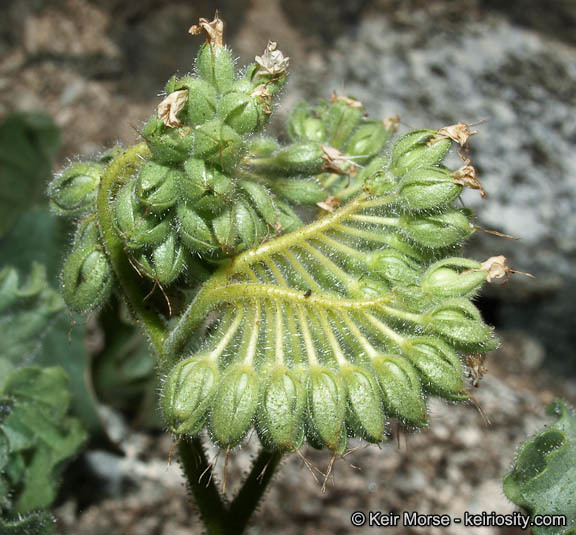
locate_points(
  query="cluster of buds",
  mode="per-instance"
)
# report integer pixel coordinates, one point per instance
(334, 148)
(382, 316)
(189, 197)
(320, 334)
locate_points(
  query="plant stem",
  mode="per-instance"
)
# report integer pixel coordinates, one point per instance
(130, 282)
(202, 486)
(217, 518)
(251, 493)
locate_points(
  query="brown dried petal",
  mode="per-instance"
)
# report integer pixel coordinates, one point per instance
(476, 368)
(214, 31)
(334, 161)
(467, 176)
(392, 123)
(171, 106)
(352, 102)
(329, 204)
(460, 133)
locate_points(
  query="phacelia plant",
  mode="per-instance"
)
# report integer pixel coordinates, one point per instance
(309, 290)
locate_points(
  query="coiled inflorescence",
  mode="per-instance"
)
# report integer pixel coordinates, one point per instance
(315, 330)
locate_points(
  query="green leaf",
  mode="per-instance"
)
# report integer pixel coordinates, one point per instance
(37, 236)
(543, 479)
(39, 435)
(36, 328)
(28, 144)
(26, 312)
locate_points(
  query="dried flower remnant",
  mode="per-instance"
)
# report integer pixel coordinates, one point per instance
(392, 122)
(352, 102)
(171, 106)
(459, 133)
(497, 268)
(467, 176)
(334, 160)
(272, 61)
(329, 204)
(476, 368)
(214, 31)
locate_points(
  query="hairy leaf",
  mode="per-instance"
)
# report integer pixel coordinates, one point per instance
(543, 479)
(39, 436)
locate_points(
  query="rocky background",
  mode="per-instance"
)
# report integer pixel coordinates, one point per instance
(97, 66)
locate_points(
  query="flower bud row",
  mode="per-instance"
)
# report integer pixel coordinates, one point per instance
(321, 403)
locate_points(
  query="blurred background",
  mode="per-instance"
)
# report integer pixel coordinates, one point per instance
(96, 69)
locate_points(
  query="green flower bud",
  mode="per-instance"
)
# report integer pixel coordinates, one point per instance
(341, 119)
(412, 297)
(312, 129)
(437, 230)
(393, 266)
(225, 229)
(367, 141)
(219, 191)
(454, 277)
(217, 143)
(201, 104)
(296, 159)
(327, 407)
(194, 183)
(303, 125)
(364, 288)
(287, 219)
(301, 158)
(364, 408)
(411, 151)
(235, 405)
(188, 393)
(281, 411)
(459, 321)
(380, 181)
(244, 85)
(167, 145)
(166, 261)
(261, 199)
(193, 231)
(262, 146)
(427, 187)
(299, 191)
(86, 279)
(251, 229)
(74, 190)
(216, 66)
(439, 366)
(157, 186)
(137, 229)
(401, 389)
(241, 112)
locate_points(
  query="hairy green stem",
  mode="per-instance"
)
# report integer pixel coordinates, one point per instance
(130, 282)
(202, 486)
(217, 518)
(251, 493)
